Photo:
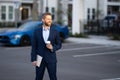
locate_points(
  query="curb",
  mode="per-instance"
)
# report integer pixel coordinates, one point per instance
(94, 41)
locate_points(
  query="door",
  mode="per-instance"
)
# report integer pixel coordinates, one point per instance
(25, 13)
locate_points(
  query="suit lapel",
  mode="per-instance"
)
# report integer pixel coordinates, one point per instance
(50, 34)
(41, 34)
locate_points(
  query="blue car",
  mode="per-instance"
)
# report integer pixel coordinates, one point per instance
(23, 34)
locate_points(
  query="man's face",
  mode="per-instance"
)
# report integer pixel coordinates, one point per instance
(47, 20)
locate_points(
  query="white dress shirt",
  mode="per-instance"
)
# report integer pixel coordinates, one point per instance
(46, 33)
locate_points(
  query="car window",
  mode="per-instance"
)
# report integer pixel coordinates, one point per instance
(29, 26)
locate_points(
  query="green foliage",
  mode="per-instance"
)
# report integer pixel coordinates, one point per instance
(115, 37)
(6, 24)
(60, 22)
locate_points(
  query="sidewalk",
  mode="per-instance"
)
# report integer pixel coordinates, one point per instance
(102, 40)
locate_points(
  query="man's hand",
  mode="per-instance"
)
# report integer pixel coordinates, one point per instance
(34, 63)
(49, 46)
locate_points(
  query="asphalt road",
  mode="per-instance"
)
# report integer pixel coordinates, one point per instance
(75, 62)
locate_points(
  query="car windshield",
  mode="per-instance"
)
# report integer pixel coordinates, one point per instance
(29, 26)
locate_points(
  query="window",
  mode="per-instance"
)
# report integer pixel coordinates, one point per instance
(7, 12)
(88, 12)
(47, 9)
(88, 17)
(10, 12)
(3, 12)
(53, 10)
(93, 13)
(53, 13)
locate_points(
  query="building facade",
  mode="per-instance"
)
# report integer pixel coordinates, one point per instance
(74, 13)
(84, 10)
(12, 10)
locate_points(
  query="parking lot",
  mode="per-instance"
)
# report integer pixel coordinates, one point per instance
(76, 61)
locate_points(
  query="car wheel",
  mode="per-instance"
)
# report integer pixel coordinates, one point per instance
(25, 41)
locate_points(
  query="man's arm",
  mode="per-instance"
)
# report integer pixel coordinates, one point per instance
(33, 50)
(57, 44)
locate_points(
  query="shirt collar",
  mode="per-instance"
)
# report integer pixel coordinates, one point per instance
(45, 29)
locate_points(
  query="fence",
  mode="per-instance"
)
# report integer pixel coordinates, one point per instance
(102, 27)
(9, 24)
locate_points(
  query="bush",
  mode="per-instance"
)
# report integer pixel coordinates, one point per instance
(114, 36)
(7, 24)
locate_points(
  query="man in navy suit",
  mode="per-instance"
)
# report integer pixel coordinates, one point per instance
(45, 33)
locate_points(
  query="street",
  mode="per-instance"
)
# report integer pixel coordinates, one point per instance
(81, 61)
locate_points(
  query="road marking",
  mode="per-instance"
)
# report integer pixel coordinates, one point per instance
(71, 49)
(112, 79)
(70, 43)
(96, 54)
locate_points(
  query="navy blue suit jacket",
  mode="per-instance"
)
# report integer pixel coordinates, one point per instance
(39, 46)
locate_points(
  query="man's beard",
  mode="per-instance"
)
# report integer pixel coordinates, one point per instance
(47, 24)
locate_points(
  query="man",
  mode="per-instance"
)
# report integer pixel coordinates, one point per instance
(46, 33)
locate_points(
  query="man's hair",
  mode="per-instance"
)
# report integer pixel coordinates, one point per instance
(45, 14)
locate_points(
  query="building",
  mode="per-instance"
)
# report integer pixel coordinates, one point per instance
(74, 13)
(18, 10)
(84, 10)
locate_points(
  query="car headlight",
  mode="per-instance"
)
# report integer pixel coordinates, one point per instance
(16, 36)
